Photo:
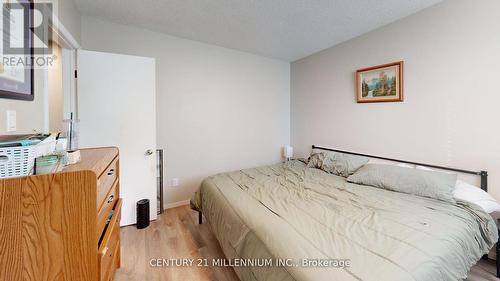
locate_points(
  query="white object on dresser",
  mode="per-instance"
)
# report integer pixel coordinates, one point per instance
(73, 157)
(16, 161)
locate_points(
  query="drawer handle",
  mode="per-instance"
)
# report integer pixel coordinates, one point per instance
(111, 172)
(111, 198)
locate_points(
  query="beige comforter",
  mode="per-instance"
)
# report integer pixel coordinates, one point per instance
(305, 214)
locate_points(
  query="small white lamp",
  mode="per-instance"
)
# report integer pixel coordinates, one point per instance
(287, 152)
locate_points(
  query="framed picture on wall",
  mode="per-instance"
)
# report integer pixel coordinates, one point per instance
(16, 69)
(381, 83)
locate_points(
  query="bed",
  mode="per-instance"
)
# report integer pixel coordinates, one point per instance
(318, 226)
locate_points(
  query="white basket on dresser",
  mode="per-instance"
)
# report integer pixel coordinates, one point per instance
(16, 161)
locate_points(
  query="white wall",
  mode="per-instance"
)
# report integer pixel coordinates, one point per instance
(217, 109)
(69, 16)
(55, 92)
(31, 115)
(452, 96)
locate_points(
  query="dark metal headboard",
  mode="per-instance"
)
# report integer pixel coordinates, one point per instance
(482, 174)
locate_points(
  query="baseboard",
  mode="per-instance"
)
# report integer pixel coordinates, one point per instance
(176, 204)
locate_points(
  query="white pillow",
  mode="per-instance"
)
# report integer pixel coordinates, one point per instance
(425, 168)
(404, 165)
(476, 195)
(386, 162)
(468, 192)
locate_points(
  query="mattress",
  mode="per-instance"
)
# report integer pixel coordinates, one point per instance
(290, 222)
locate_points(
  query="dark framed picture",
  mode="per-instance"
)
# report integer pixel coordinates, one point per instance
(381, 83)
(16, 69)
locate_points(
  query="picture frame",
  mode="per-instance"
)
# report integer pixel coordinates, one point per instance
(18, 82)
(381, 83)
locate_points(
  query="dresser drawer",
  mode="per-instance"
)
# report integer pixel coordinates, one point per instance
(109, 250)
(115, 264)
(105, 182)
(108, 205)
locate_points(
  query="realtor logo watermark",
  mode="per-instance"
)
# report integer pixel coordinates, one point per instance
(27, 34)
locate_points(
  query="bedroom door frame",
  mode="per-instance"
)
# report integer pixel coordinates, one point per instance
(69, 46)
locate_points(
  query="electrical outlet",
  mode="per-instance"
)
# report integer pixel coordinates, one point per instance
(174, 182)
(11, 121)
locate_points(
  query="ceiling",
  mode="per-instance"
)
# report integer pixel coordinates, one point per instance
(281, 29)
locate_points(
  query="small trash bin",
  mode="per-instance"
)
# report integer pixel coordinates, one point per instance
(142, 214)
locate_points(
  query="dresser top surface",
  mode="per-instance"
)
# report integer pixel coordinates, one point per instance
(94, 159)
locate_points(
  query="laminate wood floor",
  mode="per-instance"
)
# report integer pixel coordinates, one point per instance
(177, 234)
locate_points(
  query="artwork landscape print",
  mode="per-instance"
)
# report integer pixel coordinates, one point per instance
(383, 83)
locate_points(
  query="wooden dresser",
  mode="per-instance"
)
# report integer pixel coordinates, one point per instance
(63, 226)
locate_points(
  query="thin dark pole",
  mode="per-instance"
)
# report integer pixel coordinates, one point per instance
(160, 179)
(70, 140)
